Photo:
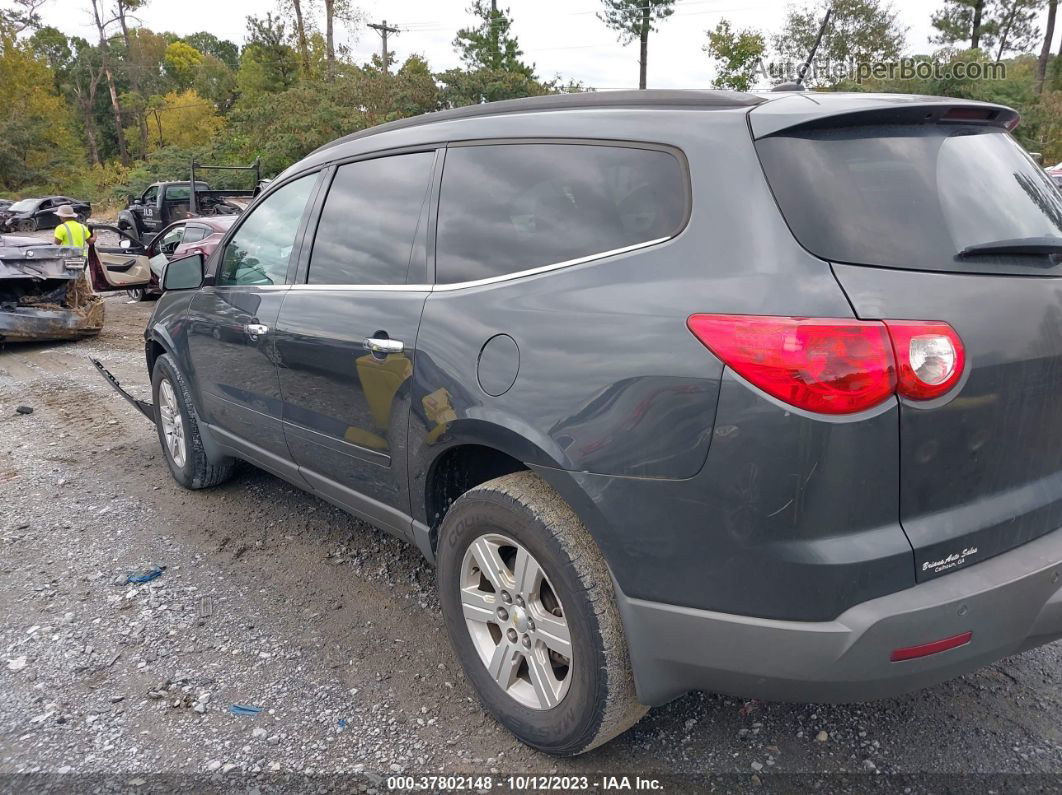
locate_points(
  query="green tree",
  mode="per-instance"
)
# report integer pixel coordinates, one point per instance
(1017, 28)
(860, 32)
(23, 15)
(635, 20)
(52, 46)
(182, 62)
(215, 81)
(75, 67)
(737, 55)
(182, 119)
(960, 21)
(489, 44)
(1045, 50)
(222, 49)
(38, 144)
(267, 64)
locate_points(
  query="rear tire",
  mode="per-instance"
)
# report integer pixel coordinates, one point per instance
(590, 696)
(178, 430)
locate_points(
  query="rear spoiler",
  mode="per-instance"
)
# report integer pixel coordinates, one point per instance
(808, 111)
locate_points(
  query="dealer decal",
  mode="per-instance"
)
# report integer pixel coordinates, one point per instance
(950, 562)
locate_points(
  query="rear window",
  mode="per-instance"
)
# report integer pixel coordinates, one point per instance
(506, 208)
(908, 196)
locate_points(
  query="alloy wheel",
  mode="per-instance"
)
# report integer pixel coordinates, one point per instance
(516, 621)
(172, 423)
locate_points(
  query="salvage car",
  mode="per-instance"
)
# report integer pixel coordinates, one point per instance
(680, 390)
(44, 294)
(135, 267)
(29, 215)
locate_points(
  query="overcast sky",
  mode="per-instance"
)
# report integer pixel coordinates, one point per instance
(561, 37)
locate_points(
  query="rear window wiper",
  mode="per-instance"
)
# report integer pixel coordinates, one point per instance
(1021, 245)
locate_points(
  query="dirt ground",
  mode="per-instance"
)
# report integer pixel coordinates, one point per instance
(274, 600)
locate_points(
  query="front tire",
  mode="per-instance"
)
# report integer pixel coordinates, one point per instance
(135, 293)
(531, 613)
(27, 225)
(178, 430)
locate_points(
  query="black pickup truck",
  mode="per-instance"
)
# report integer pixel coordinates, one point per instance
(165, 202)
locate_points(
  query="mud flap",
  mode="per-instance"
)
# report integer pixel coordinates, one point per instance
(147, 409)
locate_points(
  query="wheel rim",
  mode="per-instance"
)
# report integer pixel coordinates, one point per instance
(136, 293)
(516, 621)
(172, 423)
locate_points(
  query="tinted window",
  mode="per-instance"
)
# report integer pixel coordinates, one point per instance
(171, 240)
(193, 233)
(908, 197)
(261, 248)
(369, 221)
(510, 207)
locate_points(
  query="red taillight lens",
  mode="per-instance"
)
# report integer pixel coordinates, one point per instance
(930, 358)
(836, 365)
(825, 365)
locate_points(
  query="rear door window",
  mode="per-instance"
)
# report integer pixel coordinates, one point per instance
(506, 208)
(370, 220)
(911, 196)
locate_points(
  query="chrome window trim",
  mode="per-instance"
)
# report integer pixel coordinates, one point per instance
(436, 288)
(547, 268)
(404, 288)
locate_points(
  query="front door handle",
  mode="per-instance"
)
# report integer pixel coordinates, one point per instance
(255, 330)
(384, 345)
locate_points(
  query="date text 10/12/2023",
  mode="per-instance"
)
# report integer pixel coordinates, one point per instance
(522, 783)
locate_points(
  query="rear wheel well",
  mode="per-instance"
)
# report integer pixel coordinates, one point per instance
(155, 350)
(458, 470)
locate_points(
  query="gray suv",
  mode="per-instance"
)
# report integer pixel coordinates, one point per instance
(679, 390)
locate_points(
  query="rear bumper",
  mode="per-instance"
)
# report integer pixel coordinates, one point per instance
(1010, 603)
(31, 324)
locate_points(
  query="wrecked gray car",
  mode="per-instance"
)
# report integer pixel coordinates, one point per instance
(45, 293)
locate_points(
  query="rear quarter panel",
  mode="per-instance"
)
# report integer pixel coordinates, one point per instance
(610, 379)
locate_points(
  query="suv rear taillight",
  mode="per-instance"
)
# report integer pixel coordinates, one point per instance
(835, 365)
(930, 358)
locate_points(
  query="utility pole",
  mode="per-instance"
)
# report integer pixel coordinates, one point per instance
(383, 30)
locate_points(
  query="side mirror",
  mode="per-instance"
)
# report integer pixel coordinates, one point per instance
(137, 202)
(185, 273)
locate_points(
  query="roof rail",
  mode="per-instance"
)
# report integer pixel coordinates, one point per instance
(654, 98)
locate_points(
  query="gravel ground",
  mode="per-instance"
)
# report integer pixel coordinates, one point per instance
(275, 600)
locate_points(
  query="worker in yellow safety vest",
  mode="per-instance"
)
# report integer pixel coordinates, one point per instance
(71, 232)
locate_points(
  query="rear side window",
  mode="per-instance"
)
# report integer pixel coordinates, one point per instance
(506, 208)
(909, 196)
(370, 219)
(193, 234)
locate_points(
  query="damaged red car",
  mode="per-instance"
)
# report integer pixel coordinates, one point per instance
(133, 266)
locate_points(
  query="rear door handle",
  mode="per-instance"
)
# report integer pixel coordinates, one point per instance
(384, 345)
(255, 330)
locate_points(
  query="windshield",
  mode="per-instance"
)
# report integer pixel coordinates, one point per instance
(908, 196)
(22, 206)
